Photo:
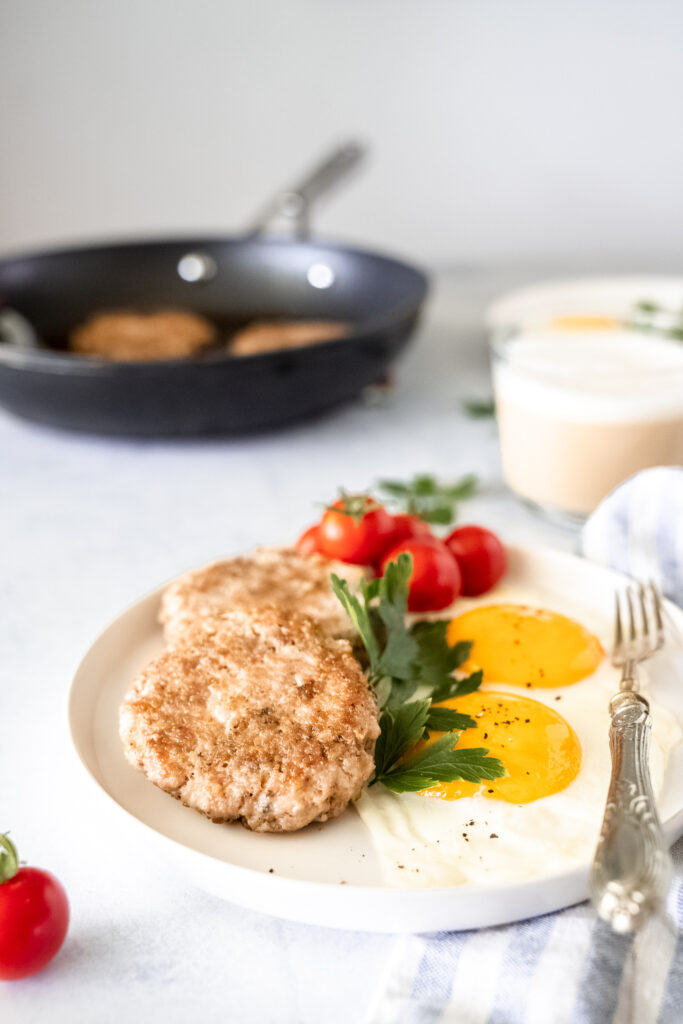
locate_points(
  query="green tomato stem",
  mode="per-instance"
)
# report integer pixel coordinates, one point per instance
(9, 858)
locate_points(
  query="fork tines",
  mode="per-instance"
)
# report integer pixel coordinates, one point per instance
(638, 628)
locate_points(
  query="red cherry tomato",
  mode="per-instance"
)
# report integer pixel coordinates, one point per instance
(307, 543)
(34, 916)
(481, 557)
(435, 580)
(407, 527)
(359, 538)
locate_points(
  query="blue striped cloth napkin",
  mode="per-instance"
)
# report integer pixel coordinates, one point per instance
(568, 967)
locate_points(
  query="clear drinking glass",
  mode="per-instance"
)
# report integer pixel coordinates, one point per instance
(581, 411)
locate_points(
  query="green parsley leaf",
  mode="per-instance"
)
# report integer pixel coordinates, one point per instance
(401, 691)
(369, 589)
(463, 488)
(401, 728)
(391, 648)
(424, 485)
(395, 488)
(383, 691)
(437, 660)
(646, 306)
(438, 515)
(452, 687)
(440, 762)
(360, 617)
(446, 720)
(401, 648)
(461, 687)
(424, 496)
(477, 410)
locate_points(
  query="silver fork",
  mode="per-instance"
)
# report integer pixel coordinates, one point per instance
(632, 867)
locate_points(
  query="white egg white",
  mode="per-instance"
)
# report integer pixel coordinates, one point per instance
(423, 841)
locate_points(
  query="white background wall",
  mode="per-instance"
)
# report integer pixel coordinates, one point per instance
(503, 131)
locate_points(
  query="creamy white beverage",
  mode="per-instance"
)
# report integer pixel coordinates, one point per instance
(578, 413)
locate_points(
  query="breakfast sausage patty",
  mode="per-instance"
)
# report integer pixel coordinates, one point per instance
(275, 576)
(131, 337)
(256, 716)
(272, 336)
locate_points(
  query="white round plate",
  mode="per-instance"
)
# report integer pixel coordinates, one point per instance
(606, 296)
(328, 874)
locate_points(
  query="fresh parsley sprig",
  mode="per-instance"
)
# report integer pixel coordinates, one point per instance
(400, 729)
(440, 762)
(479, 409)
(425, 497)
(438, 661)
(447, 720)
(401, 659)
(391, 648)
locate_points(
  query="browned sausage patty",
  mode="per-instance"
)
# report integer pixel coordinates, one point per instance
(270, 336)
(276, 576)
(131, 337)
(256, 717)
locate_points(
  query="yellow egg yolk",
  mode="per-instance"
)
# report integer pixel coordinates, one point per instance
(540, 751)
(584, 322)
(525, 646)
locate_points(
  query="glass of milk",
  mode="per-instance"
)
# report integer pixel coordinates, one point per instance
(580, 411)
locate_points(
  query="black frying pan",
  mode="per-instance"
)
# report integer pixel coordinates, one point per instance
(229, 280)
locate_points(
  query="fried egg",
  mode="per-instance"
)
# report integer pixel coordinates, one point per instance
(540, 750)
(543, 710)
(526, 646)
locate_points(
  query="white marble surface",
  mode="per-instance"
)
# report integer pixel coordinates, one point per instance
(86, 526)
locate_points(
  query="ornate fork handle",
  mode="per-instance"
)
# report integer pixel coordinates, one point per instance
(632, 867)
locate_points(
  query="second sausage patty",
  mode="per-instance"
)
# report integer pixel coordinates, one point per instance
(266, 576)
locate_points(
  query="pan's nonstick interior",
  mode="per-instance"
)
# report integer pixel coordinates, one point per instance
(210, 393)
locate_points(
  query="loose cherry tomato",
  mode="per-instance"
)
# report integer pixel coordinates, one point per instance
(407, 527)
(481, 557)
(307, 543)
(435, 580)
(355, 529)
(34, 916)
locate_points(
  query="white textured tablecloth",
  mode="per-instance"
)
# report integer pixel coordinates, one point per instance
(87, 525)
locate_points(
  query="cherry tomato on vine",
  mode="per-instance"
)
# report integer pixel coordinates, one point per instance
(34, 916)
(435, 581)
(481, 557)
(307, 543)
(355, 529)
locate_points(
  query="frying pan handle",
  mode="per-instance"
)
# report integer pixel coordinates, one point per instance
(293, 205)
